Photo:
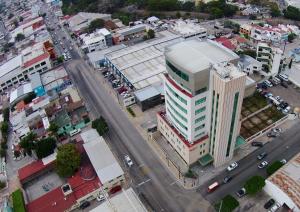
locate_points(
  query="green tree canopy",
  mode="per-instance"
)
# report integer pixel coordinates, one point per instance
(292, 13)
(274, 167)
(151, 33)
(96, 24)
(275, 12)
(163, 5)
(254, 184)
(53, 128)
(100, 125)
(291, 37)
(20, 37)
(28, 143)
(67, 160)
(227, 204)
(45, 147)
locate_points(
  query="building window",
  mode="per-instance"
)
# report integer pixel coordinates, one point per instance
(202, 90)
(178, 72)
(199, 119)
(176, 95)
(200, 110)
(200, 127)
(43, 63)
(175, 103)
(37, 66)
(176, 112)
(176, 120)
(236, 98)
(31, 69)
(199, 101)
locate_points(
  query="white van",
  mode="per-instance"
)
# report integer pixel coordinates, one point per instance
(268, 83)
(74, 132)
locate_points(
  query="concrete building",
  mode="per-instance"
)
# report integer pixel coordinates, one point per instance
(203, 91)
(249, 64)
(31, 60)
(104, 162)
(127, 33)
(284, 185)
(95, 41)
(187, 29)
(269, 57)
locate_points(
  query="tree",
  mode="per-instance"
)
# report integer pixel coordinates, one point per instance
(178, 14)
(21, 18)
(29, 97)
(4, 130)
(100, 125)
(5, 113)
(227, 204)
(188, 6)
(2, 153)
(60, 59)
(275, 12)
(163, 5)
(28, 142)
(292, 13)
(17, 154)
(151, 33)
(16, 23)
(45, 147)
(20, 37)
(254, 185)
(290, 64)
(291, 37)
(67, 160)
(96, 24)
(53, 128)
(274, 167)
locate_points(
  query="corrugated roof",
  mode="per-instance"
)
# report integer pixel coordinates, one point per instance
(101, 157)
(146, 93)
(11, 65)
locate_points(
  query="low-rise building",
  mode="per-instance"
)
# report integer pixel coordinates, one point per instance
(187, 29)
(270, 58)
(128, 33)
(98, 40)
(249, 64)
(284, 185)
(104, 162)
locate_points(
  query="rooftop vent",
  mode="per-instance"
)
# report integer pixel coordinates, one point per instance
(66, 189)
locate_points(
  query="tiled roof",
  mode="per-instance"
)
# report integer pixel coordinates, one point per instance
(31, 169)
(36, 60)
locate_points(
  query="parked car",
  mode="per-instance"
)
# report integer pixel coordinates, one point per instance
(268, 83)
(128, 160)
(276, 81)
(272, 134)
(84, 205)
(100, 198)
(283, 77)
(277, 130)
(240, 193)
(286, 110)
(275, 207)
(278, 98)
(263, 164)
(232, 166)
(257, 143)
(269, 203)
(267, 95)
(283, 161)
(262, 155)
(227, 179)
(122, 89)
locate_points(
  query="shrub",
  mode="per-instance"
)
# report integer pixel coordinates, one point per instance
(100, 125)
(129, 109)
(254, 184)
(190, 174)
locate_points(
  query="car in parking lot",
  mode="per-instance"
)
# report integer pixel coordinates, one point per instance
(84, 205)
(122, 89)
(268, 95)
(100, 198)
(268, 83)
(286, 110)
(283, 161)
(232, 166)
(283, 77)
(262, 155)
(128, 160)
(257, 143)
(227, 179)
(275, 207)
(269, 204)
(263, 164)
(277, 130)
(240, 193)
(276, 81)
(283, 84)
(272, 134)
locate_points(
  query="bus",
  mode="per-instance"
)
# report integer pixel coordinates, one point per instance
(213, 187)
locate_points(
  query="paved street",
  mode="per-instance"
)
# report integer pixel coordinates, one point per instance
(284, 146)
(149, 176)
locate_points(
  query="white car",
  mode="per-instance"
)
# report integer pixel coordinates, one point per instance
(287, 110)
(283, 161)
(128, 161)
(232, 166)
(277, 130)
(100, 198)
(263, 164)
(275, 207)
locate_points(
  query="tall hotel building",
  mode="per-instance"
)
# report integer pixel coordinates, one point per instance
(204, 91)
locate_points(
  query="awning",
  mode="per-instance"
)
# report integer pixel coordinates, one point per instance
(240, 141)
(205, 160)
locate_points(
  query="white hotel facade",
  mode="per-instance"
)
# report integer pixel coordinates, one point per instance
(203, 95)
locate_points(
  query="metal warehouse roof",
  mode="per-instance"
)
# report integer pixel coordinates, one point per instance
(146, 93)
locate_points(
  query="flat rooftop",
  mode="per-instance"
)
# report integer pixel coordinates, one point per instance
(143, 64)
(11, 65)
(287, 179)
(101, 157)
(126, 201)
(195, 55)
(54, 78)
